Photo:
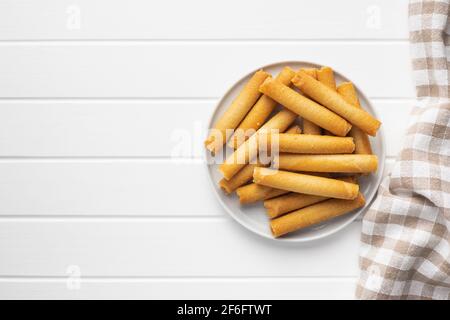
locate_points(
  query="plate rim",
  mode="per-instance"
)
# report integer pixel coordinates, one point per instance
(372, 196)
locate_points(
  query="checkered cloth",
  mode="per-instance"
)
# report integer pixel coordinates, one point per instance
(405, 241)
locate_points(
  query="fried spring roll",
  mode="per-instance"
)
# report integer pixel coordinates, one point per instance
(308, 126)
(311, 128)
(235, 112)
(295, 129)
(246, 173)
(314, 214)
(305, 107)
(293, 201)
(248, 150)
(310, 71)
(346, 163)
(307, 184)
(254, 192)
(326, 76)
(362, 143)
(259, 112)
(334, 101)
(239, 179)
(312, 144)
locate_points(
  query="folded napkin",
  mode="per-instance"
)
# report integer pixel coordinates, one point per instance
(405, 241)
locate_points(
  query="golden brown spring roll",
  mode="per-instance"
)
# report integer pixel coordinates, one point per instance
(248, 150)
(311, 144)
(278, 206)
(335, 102)
(260, 112)
(325, 75)
(235, 112)
(305, 107)
(242, 177)
(291, 201)
(308, 126)
(362, 143)
(347, 163)
(310, 71)
(311, 128)
(246, 173)
(314, 214)
(307, 184)
(254, 192)
(295, 129)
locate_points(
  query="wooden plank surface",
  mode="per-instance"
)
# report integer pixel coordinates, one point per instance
(187, 69)
(102, 107)
(176, 288)
(108, 188)
(161, 247)
(202, 19)
(115, 128)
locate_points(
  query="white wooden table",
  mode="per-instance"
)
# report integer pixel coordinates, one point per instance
(102, 196)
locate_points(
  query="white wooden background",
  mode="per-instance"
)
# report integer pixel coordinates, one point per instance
(95, 96)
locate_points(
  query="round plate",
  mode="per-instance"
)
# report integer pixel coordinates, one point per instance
(253, 217)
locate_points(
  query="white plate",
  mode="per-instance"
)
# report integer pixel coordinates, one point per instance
(253, 217)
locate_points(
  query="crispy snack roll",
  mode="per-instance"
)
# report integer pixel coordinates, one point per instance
(235, 112)
(295, 129)
(311, 144)
(248, 150)
(362, 143)
(325, 75)
(311, 128)
(305, 107)
(308, 126)
(255, 192)
(310, 71)
(242, 177)
(293, 201)
(346, 163)
(259, 112)
(314, 214)
(246, 173)
(303, 183)
(335, 102)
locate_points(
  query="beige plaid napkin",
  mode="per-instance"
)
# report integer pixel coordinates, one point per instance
(405, 241)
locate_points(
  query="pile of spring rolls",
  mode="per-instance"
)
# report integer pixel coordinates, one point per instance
(313, 175)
